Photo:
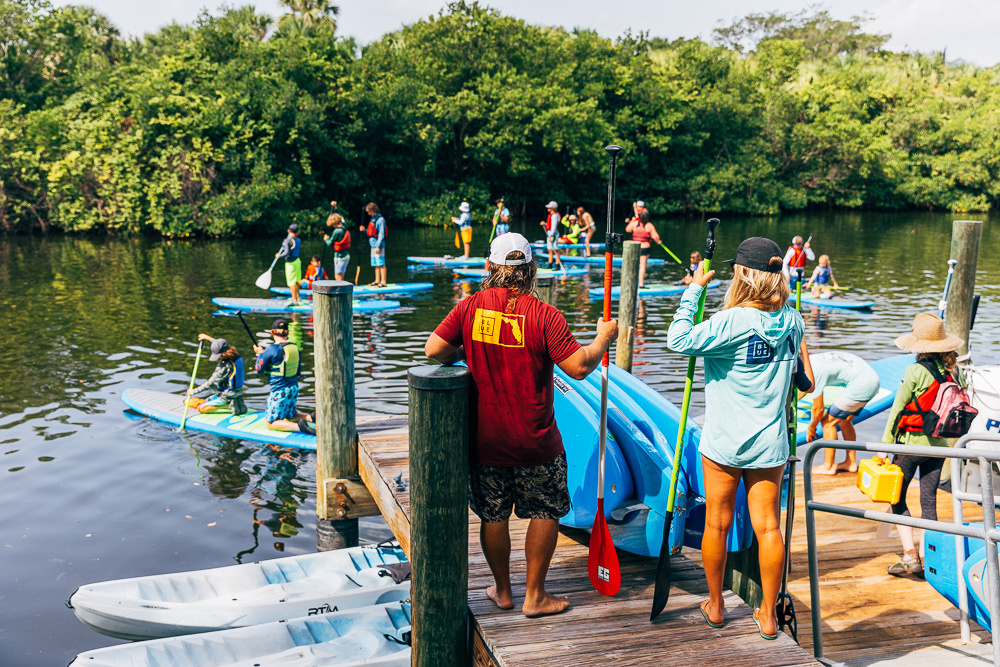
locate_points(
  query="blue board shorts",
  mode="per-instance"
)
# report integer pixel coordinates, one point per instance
(281, 403)
(502, 228)
(378, 256)
(340, 265)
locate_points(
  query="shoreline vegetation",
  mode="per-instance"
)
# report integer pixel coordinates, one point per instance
(243, 123)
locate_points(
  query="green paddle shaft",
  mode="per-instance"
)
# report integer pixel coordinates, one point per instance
(676, 258)
(194, 374)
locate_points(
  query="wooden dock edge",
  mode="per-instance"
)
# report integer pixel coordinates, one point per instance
(385, 499)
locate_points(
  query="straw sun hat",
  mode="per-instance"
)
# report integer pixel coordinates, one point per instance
(928, 335)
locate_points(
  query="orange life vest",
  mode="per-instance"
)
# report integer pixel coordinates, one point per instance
(911, 417)
(798, 258)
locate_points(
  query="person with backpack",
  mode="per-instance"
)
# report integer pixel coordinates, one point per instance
(340, 239)
(376, 239)
(931, 406)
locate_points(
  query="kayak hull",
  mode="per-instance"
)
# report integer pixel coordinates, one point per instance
(281, 305)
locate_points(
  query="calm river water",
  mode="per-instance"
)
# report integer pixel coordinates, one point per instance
(93, 492)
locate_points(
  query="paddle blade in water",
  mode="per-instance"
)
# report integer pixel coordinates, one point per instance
(264, 281)
(661, 591)
(602, 562)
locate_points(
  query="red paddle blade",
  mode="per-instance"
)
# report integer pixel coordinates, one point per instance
(602, 562)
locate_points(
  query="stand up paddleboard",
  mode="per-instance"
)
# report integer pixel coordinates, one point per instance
(652, 289)
(540, 245)
(556, 273)
(841, 304)
(570, 259)
(169, 408)
(368, 290)
(448, 261)
(281, 305)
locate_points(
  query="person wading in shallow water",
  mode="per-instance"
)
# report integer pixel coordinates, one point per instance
(511, 340)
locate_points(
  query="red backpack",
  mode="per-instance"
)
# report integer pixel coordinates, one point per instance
(943, 411)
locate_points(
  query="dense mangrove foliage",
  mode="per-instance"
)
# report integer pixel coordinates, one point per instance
(242, 122)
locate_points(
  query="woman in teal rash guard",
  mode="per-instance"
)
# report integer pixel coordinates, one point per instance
(750, 350)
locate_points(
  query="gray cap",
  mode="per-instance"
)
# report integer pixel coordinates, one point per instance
(552, 204)
(293, 228)
(219, 345)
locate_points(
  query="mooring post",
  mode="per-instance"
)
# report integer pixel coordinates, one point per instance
(439, 516)
(965, 237)
(627, 301)
(336, 429)
(545, 287)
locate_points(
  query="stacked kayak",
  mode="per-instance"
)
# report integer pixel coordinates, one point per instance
(282, 305)
(168, 605)
(541, 272)
(595, 259)
(169, 408)
(650, 289)
(376, 635)
(368, 290)
(842, 304)
(448, 260)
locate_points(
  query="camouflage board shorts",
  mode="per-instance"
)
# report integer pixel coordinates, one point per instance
(536, 492)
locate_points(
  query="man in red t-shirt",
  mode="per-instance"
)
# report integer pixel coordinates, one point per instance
(511, 340)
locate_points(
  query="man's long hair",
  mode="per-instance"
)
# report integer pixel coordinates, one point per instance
(519, 279)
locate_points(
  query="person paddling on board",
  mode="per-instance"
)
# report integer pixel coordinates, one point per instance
(511, 340)
(587, 227)
(314, 271)
(860, 384)
(376, 231)
(464, 222)
(290, 249)
(501, 219)
(227, 379)
(573, 235)
(689, 271)
(340, 238)
(822, 281)
(750, 350)
(795, 258)
(551, 226)
(281, 362)
(937, 361)
(643, 232)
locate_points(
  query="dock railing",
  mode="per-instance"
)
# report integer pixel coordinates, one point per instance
(988, 533)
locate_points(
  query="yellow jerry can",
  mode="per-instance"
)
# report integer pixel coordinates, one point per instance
(880, 480)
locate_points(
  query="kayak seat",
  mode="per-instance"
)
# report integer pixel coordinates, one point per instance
(176, 589)
(282, 573)
(380, 556)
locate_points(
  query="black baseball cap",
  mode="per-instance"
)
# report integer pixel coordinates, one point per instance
(294, 228)
(756, 253)
(280, 325)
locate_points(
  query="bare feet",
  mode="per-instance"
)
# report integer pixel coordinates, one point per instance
(505, 601)
(845, 467)
(545, 606)
(821, 470)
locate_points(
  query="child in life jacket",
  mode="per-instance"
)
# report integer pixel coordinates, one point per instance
(281, 362)
(937, 361)
(822, 281)
(340, 238)
(795, 258)
(314, 271)
(227, 379)
(689, 271)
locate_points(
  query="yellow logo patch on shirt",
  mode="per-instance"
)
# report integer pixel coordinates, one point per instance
(497, 328)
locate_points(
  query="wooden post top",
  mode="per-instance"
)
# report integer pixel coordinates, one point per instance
(439, 378)
(332, 287)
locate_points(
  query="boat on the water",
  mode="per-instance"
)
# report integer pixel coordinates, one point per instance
(281, 305)
(376, 635)
(168, 605)
(169, 408)
(650, 289)
(367, 290)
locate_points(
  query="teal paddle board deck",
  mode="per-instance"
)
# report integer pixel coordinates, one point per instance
(169, 408)
(540, 245)
(652, 289)
(570, 271)
(448, 261)
(594, 259)
(281, 305)
(841, 304)
(368, 290)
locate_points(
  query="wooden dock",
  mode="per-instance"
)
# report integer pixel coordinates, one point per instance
(597, 630)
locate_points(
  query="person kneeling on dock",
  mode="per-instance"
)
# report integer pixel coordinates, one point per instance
(281, 363)
(228, 379)
(511, 340)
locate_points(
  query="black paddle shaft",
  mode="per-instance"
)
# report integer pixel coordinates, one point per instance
(611, 238)
(253, 339)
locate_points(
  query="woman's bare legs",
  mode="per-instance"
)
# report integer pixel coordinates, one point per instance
(721, 483)
(764, 502)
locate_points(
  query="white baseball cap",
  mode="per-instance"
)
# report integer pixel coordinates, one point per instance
(552, 204)
(508, 243)
(464, 206)
(641, 204)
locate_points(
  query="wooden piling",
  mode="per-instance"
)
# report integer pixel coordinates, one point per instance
(627, 301)
(545, 287)
(336, 427)
(439, 419)
(965, 238)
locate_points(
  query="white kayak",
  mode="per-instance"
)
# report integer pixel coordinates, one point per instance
(167, 605)
(375, 635)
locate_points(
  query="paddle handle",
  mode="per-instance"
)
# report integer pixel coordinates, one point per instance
(798, 288)
(194, 374)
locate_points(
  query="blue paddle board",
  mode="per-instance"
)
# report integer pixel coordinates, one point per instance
(570, 271)
(595, 259)
(169, 408)
(841, 304)
(368, 290)
(652, 289)
(448, 261)
(540, 245)
(281, 305)
(941, 573)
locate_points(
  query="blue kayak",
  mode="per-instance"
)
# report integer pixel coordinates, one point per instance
(281, 305)
(368, 290)
(594, 259)
(540, 245)
(570, 271)
(448, 260)
(169, 408)
(652, 289)
(841, 304)
(941, 572)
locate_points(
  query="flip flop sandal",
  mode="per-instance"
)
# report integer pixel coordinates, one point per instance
(705, 616)
(761, 632)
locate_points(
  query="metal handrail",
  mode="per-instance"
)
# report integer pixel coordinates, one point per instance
(988, 533)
